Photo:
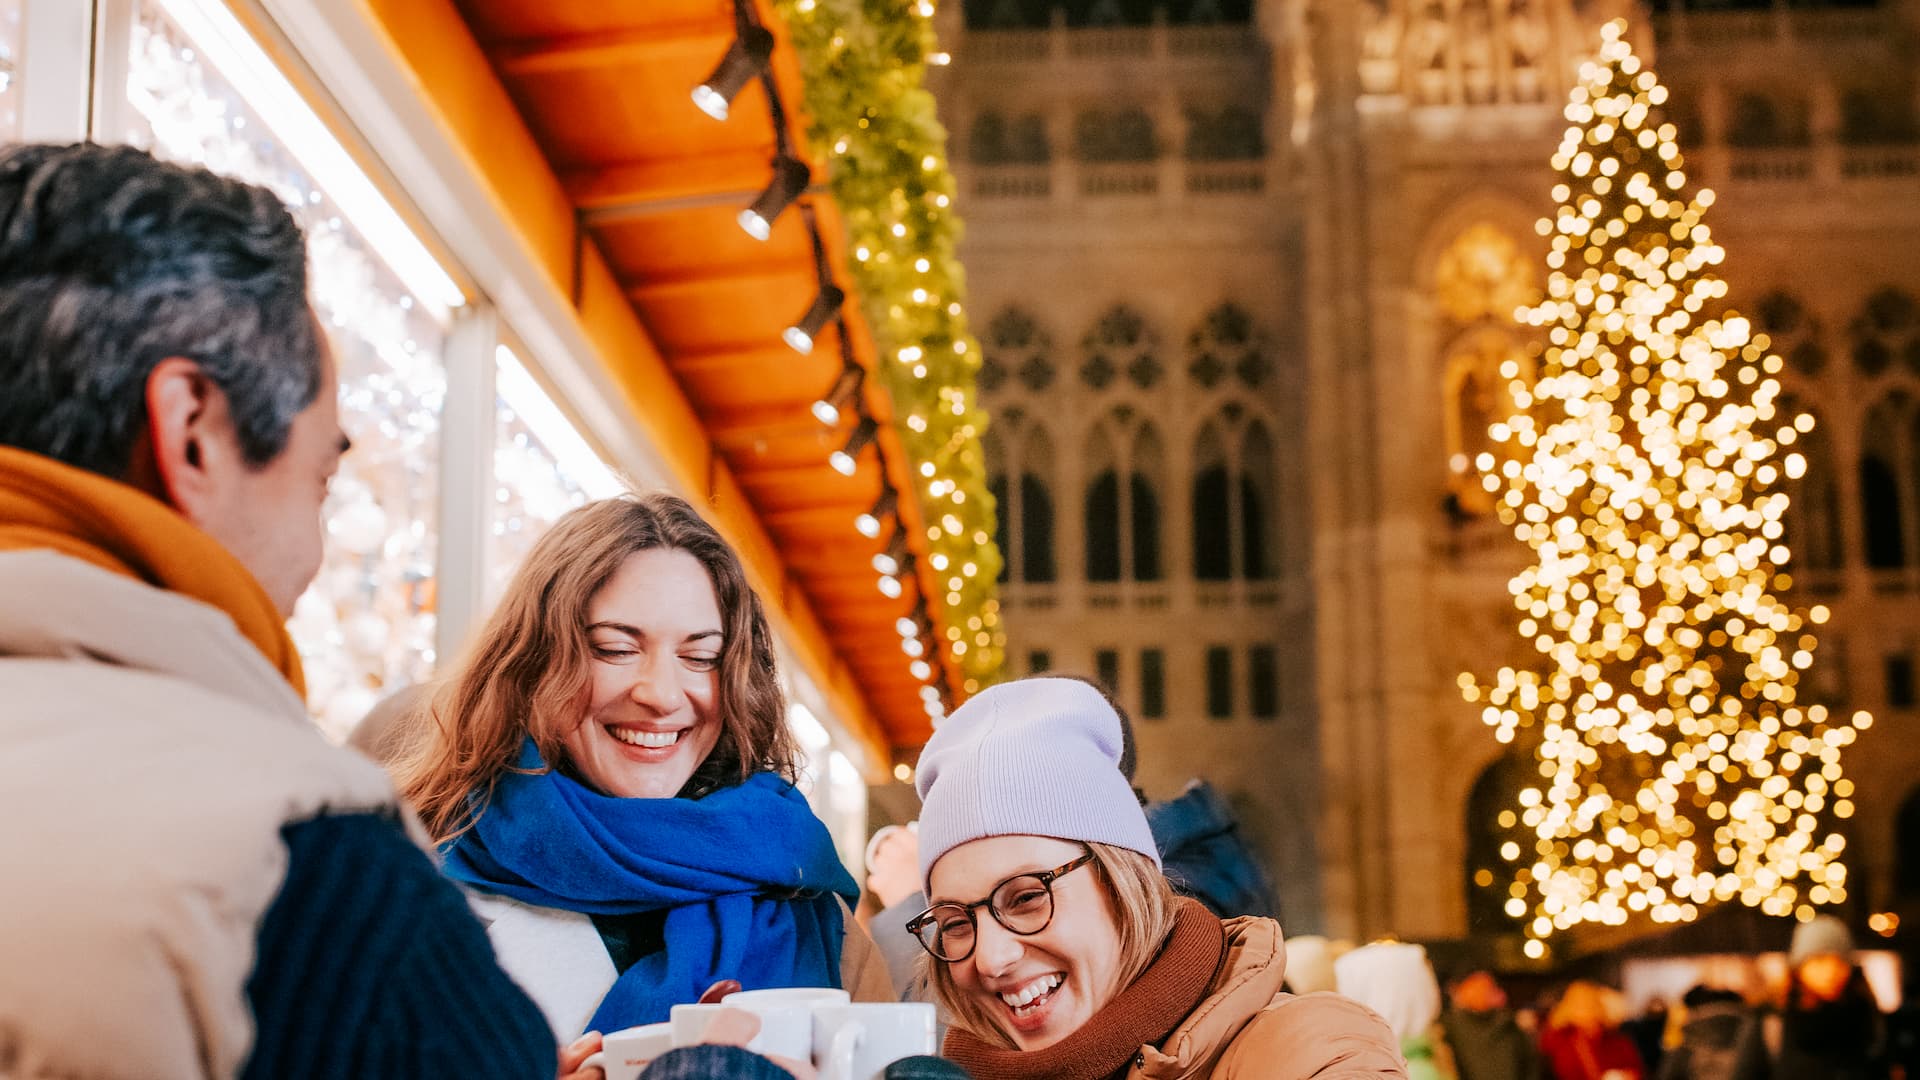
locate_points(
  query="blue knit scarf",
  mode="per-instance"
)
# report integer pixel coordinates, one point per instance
(747, 876)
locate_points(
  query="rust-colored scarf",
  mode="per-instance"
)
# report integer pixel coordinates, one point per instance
(45, 504)
(1146, 1012)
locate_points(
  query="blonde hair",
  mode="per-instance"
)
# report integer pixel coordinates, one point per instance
(1141, 904)
(528, 669)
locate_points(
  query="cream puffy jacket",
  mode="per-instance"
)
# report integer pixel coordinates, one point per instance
(149, 756)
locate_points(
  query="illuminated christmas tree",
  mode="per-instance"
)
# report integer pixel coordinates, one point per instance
(1677, 766)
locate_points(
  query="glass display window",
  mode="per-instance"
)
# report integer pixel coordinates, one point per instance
(10, 15)
(201, 91)
(542, 468)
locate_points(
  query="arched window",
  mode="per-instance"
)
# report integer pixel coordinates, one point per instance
(1103, 527)
(1036, 534)
(1869, 117)
(1480, 280)
(1143, 511)
(1260, 556)
(1212, 510)
(1906, 831)
(1820, 498)
(1492, 822)
(988, 141)
(1002, 525)
(1003, 511)
(1036, 511)
(1882, 514)
(1145, 515)
(1102, 509)
(1478, 384)
(1880, 492)
(1813, 505)
(1910, 476)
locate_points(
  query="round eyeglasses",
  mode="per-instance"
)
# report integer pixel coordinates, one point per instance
(1023, 904)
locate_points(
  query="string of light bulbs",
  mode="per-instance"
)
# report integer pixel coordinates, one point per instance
(844, 403)
(870, 114)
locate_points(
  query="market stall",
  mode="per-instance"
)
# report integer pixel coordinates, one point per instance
(529, 246)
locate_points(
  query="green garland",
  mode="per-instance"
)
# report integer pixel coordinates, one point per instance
(873, 121)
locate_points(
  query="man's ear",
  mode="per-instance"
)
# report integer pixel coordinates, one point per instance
(190, 434)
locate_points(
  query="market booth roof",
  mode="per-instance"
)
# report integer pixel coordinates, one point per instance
(576, 115)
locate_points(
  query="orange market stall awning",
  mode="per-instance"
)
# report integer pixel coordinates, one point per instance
(576, 115)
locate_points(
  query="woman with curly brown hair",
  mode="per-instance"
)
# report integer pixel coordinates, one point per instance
(610, 774)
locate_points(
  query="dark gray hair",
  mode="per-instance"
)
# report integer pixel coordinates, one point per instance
(112, 261)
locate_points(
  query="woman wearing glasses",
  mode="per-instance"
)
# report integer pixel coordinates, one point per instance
(1054, 940)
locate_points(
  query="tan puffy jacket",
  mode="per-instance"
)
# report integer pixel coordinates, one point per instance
(1245, 1028)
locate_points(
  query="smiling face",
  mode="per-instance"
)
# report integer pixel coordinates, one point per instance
(655, 634)
(1043, 987)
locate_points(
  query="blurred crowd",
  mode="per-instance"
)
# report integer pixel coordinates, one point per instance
(1824, 1024)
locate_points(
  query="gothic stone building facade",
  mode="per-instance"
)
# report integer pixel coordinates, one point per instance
(1244, 277)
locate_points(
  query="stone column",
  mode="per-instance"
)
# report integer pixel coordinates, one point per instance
(1342, 430)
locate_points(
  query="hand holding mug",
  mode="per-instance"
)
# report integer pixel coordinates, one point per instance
(812, 1033)
(623, 1054)
(738, 1027)
(575, 1058)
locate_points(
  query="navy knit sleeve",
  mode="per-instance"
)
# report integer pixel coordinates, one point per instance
(371, 965)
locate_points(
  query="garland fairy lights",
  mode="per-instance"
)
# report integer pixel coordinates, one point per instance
(873, 121)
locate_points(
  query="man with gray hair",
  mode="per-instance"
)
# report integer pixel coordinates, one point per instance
(197, 883)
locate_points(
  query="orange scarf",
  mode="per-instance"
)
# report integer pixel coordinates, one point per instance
(44, 504)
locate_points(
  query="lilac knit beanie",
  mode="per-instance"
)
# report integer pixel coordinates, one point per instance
(1034, 757)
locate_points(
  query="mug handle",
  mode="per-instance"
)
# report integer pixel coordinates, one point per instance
(839, 1063)
(596, 1060)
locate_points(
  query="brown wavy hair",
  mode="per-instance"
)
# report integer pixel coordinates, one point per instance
(527, 671)
(1142, 904)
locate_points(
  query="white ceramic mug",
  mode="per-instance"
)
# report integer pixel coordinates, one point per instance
(625, 1053)
(786, 1027)
(810, 996)
(858, 1042)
